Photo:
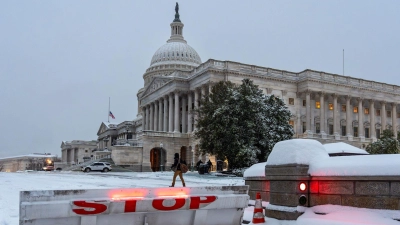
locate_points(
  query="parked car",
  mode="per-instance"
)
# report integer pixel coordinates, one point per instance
(97, 166)
(48, 168)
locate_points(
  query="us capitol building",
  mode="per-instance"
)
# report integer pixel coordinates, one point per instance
(326, 107)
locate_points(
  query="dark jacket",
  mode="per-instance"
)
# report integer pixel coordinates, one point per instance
(176, 163)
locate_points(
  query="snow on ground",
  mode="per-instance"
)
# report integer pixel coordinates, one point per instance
(13, 183)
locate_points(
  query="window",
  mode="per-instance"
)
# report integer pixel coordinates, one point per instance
(343, 130)
(355, 109)
(330, 105)
(291, 122)
(304, 127)
(398, 115)
(388, 113)
(86, 150)
(317, 128)
(331, 129)
(378, 112)
(378, 133)
(304, 102)
(317, 105)
(366, 111)
(367, 132)
(343, 108)
(355, 131)
(291, 101)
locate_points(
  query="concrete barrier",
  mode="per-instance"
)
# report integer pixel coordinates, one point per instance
(190, 206)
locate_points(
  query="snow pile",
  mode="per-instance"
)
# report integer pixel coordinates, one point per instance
(360, 165)
(297, 151)
(256, 170)
(341, 147)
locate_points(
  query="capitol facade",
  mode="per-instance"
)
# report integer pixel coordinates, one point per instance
(326, 107)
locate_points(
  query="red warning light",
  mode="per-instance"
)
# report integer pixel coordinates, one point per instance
(302, 186)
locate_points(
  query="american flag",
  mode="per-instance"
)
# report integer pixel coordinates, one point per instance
(112, 116)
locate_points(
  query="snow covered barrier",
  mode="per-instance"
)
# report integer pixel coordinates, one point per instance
(155, 206)
(289, 180)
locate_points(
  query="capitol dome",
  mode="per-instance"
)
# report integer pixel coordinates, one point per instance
(175, 52)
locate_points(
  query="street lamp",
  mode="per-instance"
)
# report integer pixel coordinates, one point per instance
(193, 160)
(127, 132)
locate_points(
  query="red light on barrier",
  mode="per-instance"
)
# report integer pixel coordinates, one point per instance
(302, 186)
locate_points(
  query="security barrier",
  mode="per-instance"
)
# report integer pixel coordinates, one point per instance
(136, 206)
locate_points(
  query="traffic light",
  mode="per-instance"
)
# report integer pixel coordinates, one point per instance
(303, 188)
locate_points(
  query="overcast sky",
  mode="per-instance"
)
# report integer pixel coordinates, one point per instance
(61, 60)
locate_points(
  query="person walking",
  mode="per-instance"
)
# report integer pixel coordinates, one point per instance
(177, 164)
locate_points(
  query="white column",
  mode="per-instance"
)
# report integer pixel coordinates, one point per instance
(155, 116)
(176, 127)
(348, 116)
(308, 111)
(203, 92)
(383, 116)
(151, 116)
(372, 119)
(322, 113)
(196, 106)
(171, 114)
(184, 117)
(160, 116)
(360, 118)
(148, 117)
(394, 118)
(189, 119)
(138, 106)
(165, 120)
(335, 114)
(144, 118)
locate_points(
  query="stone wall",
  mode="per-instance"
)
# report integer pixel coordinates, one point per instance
(364, 192)
(280, 187)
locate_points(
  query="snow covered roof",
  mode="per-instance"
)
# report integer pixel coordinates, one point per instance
(296, 151)
(341, 147)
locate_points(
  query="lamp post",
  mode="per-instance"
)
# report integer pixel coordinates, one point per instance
(161, 157)
(193, 160)
(105, 141)
(127, 132)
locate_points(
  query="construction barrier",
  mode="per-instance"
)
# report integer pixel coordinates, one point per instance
(136, 206)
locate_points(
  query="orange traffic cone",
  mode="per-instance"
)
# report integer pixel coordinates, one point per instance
(258, 216)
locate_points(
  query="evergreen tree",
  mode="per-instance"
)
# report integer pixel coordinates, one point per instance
(241, 124)
(386, 144)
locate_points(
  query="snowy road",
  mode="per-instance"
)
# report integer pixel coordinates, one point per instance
(12, 183)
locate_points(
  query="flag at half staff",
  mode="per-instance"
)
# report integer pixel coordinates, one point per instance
(112, 116)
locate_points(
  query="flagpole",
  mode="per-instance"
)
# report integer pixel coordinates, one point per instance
(108, 114)
(343, 62)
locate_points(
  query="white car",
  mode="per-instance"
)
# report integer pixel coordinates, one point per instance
(97, 166)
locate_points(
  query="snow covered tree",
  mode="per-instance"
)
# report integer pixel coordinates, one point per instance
(241, 124)
(386, 144)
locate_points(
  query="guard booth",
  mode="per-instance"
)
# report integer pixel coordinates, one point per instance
(222, 205)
